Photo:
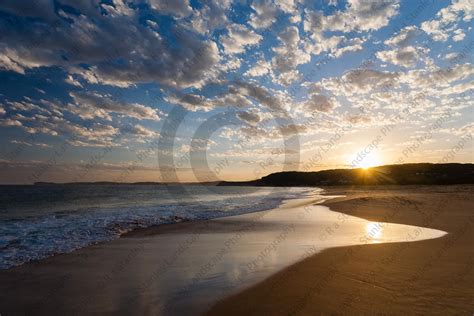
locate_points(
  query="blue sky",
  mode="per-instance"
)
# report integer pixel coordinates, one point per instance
(161, 90)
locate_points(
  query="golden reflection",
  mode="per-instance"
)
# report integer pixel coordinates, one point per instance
(374, 231)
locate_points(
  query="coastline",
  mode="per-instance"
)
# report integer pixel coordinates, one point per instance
(434, 276)
(134, 273)
(121, 276)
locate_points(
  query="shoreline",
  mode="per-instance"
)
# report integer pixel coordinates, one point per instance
(142, 263)
(127, 270)
(160, 223)
(433, 276)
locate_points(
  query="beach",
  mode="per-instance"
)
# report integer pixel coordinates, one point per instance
(424, 277)
(300, 258)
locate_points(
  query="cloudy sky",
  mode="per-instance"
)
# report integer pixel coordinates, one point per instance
(184, 90)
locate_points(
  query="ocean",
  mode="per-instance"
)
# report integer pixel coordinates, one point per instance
(40, 221)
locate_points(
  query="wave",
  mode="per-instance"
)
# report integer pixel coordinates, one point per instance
(40, 234)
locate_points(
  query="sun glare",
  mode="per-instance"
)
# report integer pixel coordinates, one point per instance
(370, 161)
(366, 160)
(374, 231)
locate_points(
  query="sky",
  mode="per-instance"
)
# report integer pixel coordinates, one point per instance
(184, 90)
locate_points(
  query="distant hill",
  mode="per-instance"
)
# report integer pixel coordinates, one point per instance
(417, 173)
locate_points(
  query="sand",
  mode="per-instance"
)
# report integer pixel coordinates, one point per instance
(431, 277)
(144, 272)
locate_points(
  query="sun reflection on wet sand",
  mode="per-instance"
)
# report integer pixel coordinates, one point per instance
(374, 231)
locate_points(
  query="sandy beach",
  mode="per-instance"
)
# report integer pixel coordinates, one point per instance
(424, 277)
(300, 258)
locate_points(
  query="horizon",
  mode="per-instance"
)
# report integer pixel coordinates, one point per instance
(204, 91)
(230, 181)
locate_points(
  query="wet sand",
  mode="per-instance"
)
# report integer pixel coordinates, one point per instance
(185, 268)
(430, 277)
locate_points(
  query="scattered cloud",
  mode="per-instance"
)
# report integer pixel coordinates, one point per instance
(447, 19)
(265, 13)
(238, 38)
(406, 57)
(91, 105)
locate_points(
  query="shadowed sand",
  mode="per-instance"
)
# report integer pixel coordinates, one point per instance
(424, 277)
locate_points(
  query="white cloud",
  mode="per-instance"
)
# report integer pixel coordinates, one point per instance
(264, 15)
(451, 56)
(459, 35)
(212, 15)
(447, 19)
(100, 40)
(238, 39)
(91, 105)
(261, 67)
(405, 57)
(70, 80)
(353, 45)
(360, 15)
(289, 55)
(139, 130)
(404, 37)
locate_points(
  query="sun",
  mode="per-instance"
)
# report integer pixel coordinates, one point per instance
(370, 161)
(365, 160)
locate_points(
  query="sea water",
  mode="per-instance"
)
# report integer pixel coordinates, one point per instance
(37, 221)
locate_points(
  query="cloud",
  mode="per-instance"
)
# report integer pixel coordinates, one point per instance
(287, 6)
(94, 134)
(261, 94)
(359, 15)
(289, 55)
(459, 35)
(178, 8)
(437, 78)
(110, 48)
(70, 80)
(91, 105)
(9, 122)
(239, 94)
(358, 119)
(353, 45)
(238, 38)
(192, 102)
(211, 16)
(404, 37)
(248, 117)
(321, 103)
(291, 129)
(459, 88)
(264, 15)
(139, 130)
(261, 68)
(451, 56)
(359, 81)
(405, 57)
(7, 63)
(447, 19)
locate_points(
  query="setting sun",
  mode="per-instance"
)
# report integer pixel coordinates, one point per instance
(370, 161)
(365, 160)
